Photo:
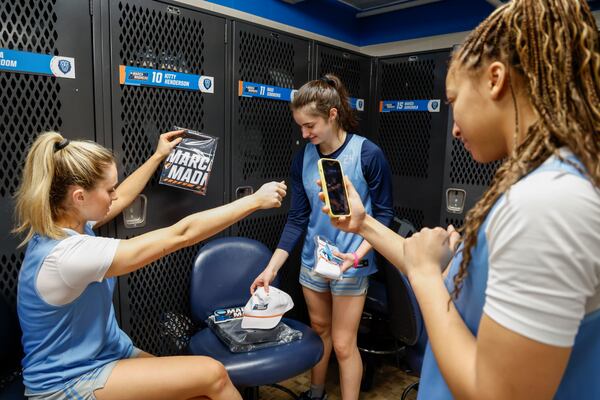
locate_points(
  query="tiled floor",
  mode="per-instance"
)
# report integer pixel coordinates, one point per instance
(388, 384)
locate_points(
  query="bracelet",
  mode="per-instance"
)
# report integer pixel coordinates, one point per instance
(355, 259)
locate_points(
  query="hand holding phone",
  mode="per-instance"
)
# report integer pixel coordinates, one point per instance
(334, 187)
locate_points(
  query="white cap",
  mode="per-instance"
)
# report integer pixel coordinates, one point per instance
(264, 311)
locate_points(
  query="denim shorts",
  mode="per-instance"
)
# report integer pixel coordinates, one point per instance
(82, 387)
(351, 286)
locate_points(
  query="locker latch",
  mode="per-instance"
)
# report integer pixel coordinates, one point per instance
(134, 216)
(455, 200)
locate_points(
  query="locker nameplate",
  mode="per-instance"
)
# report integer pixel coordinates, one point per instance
(251, 89)
(36, 63)
(166, 79)
(409, 105)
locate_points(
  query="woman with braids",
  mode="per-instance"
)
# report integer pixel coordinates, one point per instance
(518, 313)
(322, 110)
(73, 346)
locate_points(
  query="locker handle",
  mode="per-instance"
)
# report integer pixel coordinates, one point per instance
(455, 200)
(134, 216)
(243, 191)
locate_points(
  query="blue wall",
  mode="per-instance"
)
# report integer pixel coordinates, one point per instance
(447, 16)
(335, 20)
(325, 17)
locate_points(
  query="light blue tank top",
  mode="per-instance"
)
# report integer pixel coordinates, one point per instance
(319, 223)
(63, 342)
(580, 380)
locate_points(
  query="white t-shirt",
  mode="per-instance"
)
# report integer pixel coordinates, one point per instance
(544, 257)
(72, 265)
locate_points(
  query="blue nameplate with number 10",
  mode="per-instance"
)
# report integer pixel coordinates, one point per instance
(168, 79)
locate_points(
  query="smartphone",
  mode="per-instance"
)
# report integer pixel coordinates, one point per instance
(334, 187)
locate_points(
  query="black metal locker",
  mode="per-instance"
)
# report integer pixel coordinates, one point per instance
(264, 136)
(462, 174)
(30, 104)
(355, 71)
(164, 37)
(413, 141)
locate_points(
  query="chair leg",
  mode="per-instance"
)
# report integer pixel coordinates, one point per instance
(368, 373)
(408, 389)
(285, 390)
(250, 393)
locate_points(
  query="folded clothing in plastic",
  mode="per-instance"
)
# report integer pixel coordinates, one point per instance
(241, 340)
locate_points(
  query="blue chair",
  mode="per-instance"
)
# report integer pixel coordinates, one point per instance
(392, 301)
(223, 272)
(406, 322)
(11, 352)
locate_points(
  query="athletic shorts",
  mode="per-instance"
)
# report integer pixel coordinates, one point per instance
(352, 286)
(82, 387)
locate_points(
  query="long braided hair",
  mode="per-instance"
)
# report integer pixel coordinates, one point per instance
(552, 46)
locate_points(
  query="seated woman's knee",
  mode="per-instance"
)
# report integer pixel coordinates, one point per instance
(213, 375)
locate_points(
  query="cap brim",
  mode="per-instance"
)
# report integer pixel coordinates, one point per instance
(260, 322)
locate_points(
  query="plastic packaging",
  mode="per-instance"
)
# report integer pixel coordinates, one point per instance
(326, 264)
(189, 164)
(241, 340)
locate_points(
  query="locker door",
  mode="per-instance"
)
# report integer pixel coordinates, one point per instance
(154, 35)
(30, 104)
(354, 70)
(264, 135)
(414, 141)
(462, 174)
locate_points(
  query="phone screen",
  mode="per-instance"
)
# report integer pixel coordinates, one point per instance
(336, 190)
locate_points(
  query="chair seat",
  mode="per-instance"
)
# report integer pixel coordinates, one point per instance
(264, 366)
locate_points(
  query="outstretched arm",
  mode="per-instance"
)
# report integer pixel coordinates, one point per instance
(137, 252)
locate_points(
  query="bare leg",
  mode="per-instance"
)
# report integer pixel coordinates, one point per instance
(347, 311)
(319, 310)
(178, 378)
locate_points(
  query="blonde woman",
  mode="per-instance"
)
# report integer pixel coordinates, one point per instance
(72, 343)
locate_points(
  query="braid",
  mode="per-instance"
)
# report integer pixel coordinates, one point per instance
(553, 46)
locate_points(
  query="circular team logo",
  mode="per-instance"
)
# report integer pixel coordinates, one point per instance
(433, 106)
(205, 84)
(63, 67)
(360, 104)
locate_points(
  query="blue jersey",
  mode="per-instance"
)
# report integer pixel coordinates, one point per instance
(580, 379)
(63, 342)
(319, 223)
(371, 166)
